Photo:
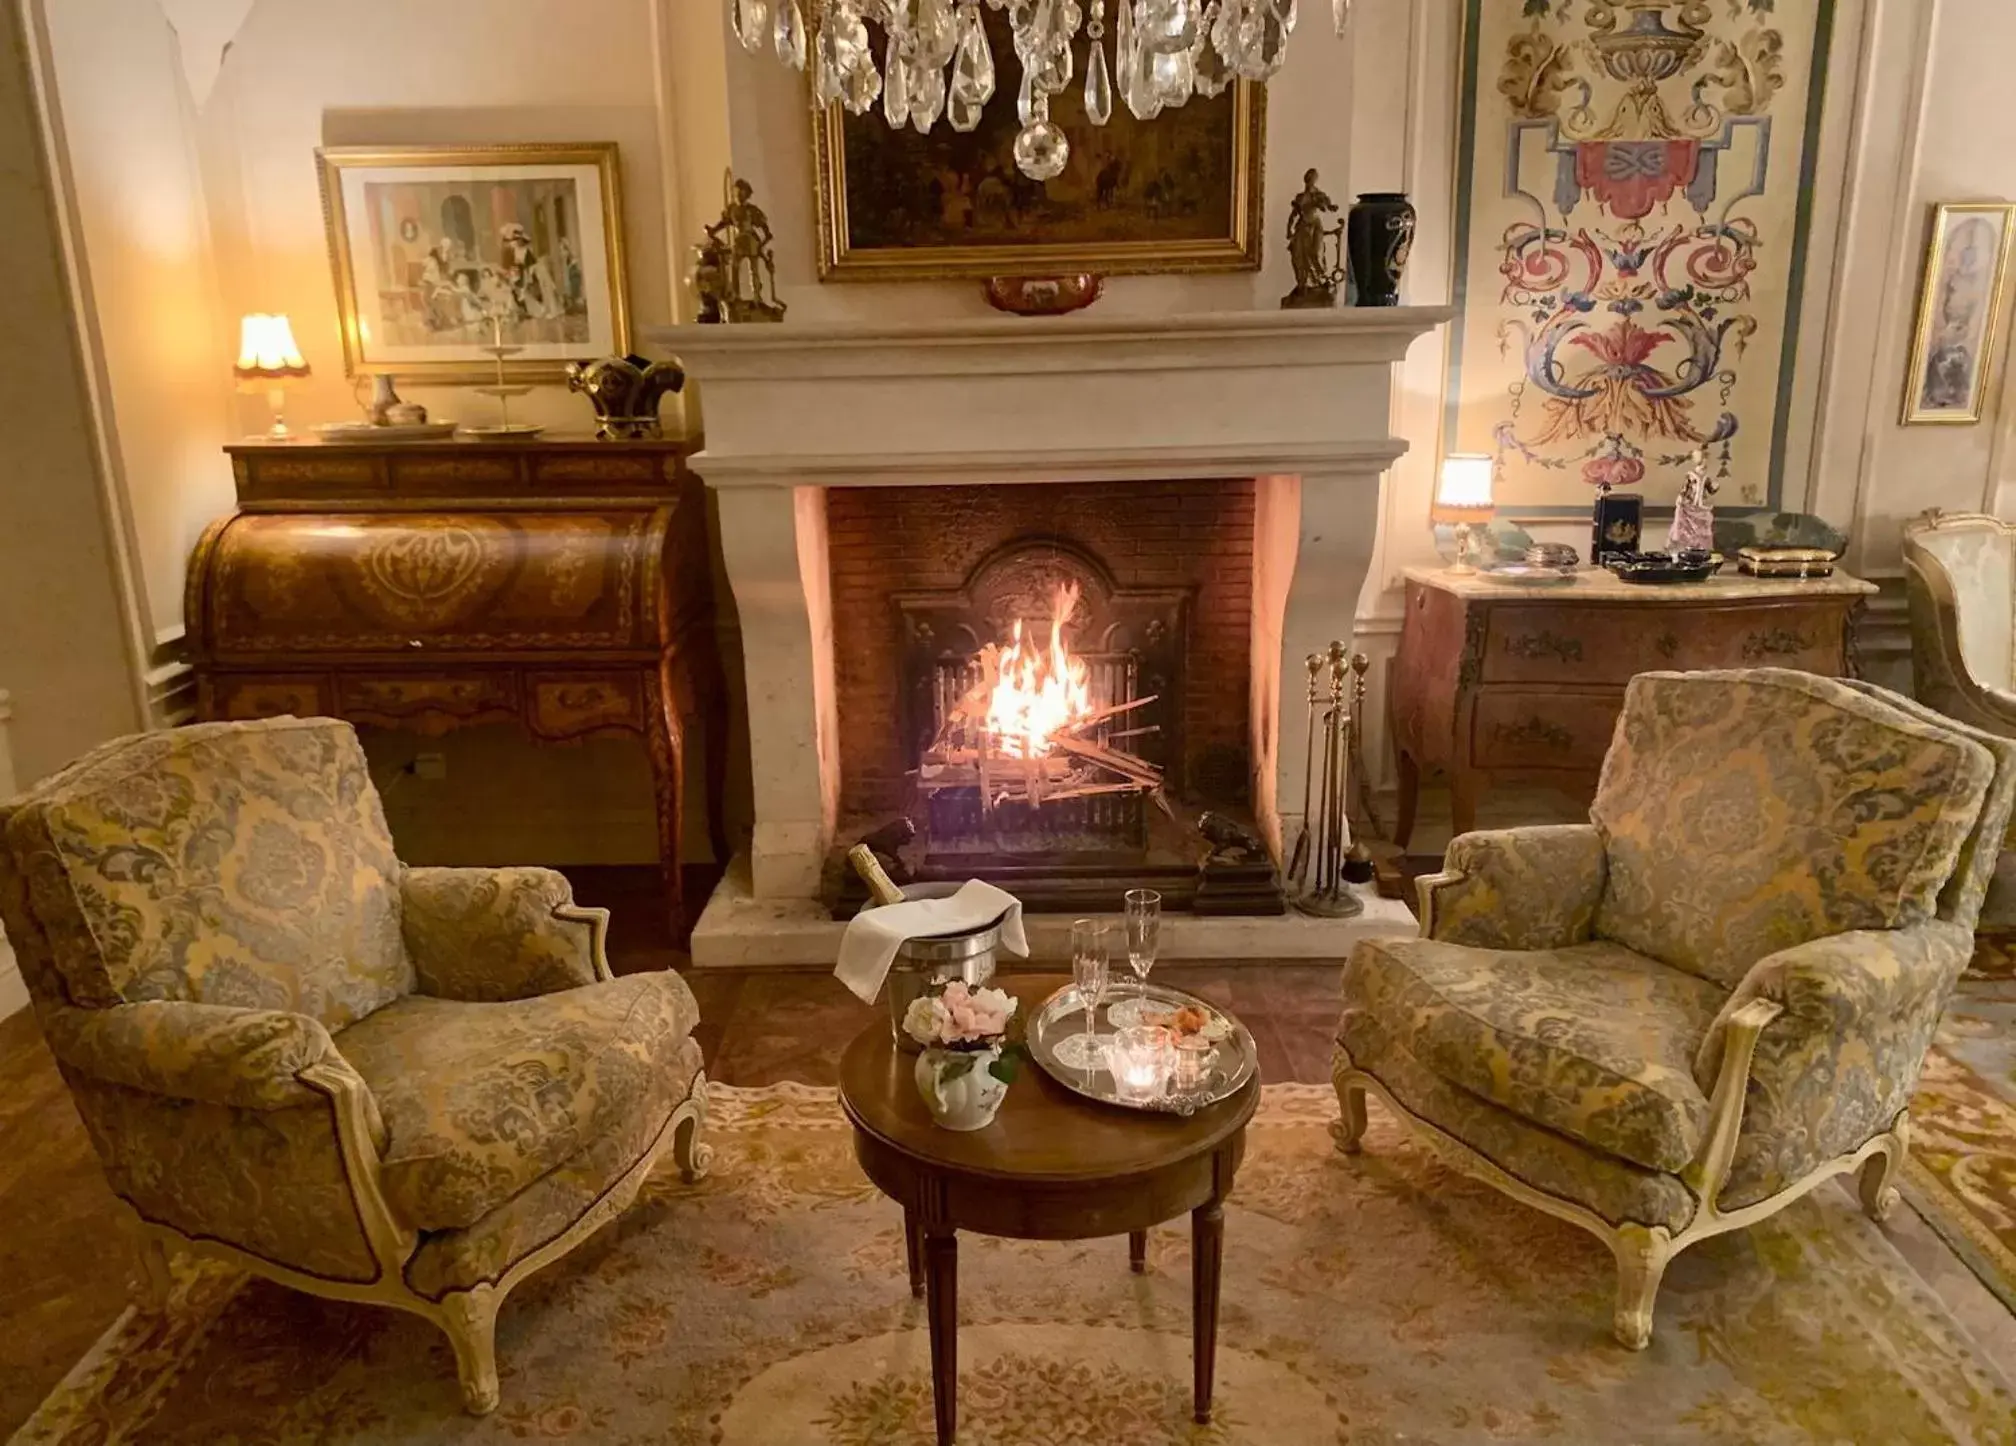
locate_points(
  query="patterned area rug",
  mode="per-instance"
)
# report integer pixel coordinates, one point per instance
(1367, 1302)
(1962, 1177)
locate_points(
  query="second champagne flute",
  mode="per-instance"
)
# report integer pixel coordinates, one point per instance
(1091, 964)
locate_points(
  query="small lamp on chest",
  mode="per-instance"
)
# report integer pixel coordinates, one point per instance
(269, 361)
(1463, 499)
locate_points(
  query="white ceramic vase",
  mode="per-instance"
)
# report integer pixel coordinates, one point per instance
(967, 1102)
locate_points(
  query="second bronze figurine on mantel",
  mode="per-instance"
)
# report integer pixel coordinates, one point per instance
(735, 268)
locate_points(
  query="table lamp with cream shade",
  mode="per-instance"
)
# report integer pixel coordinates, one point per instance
(1463, 499)
(268, 361)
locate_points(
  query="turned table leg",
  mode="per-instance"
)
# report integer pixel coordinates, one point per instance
(1207, 1251)
(941, 1271)
(1137, 1251)
(913, 1244)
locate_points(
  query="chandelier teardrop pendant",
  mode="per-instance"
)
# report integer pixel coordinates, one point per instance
(938, 61)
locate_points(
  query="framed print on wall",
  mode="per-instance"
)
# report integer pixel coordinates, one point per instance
(1180, 193)
(1959, 313)
(443, 251)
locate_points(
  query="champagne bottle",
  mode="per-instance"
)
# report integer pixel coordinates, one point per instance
(880, 886)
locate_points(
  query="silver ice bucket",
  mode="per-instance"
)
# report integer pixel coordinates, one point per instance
(926, 964)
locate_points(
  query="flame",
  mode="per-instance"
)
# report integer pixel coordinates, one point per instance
(1037, 691)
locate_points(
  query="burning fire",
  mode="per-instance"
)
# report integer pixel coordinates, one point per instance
(1036, 690)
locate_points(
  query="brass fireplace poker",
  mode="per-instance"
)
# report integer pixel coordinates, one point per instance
(1323, 893)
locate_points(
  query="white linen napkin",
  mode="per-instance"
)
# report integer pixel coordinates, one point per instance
(873, 936)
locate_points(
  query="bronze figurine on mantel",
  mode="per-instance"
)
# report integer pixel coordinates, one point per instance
(734, 267)
(1316, 250)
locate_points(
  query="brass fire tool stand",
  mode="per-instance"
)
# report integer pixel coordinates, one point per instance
(1325, 895)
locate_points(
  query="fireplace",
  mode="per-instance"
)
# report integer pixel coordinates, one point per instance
(1121, 636)
(892, 498)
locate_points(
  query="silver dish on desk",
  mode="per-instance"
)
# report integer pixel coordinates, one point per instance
(1235, 1059)
(1552, 554)
(1528, 574)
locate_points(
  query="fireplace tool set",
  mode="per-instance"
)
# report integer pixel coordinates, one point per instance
(1324, 857)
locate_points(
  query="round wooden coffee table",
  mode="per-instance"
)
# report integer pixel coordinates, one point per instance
(1052, 1166)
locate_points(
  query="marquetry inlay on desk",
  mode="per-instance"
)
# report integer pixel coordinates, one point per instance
(1497, 683)
(560, 584)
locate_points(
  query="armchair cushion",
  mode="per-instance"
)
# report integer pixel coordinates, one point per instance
(481, 1100)
(249, 1058)
(1522, 888)
(460, 1259)
(1593, 1041)
(244, 864)
(487, 935)
(1618, 1191)
(1750, 812)
(1843, 1059)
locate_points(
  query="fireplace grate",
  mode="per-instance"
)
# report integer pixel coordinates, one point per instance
(958, 823)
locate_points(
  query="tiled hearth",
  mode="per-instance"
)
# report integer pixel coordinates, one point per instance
(1233, 459)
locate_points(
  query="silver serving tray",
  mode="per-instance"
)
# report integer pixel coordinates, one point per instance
(1062, 1016)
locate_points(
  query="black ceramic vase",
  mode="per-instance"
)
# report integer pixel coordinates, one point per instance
(1378, 235)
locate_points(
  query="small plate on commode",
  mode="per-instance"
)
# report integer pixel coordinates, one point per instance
(1527, 574)
(390, 432)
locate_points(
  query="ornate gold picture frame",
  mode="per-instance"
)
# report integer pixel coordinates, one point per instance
(1182, 193)
(1959, 313)
(442, 254)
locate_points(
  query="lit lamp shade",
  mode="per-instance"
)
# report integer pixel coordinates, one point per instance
(1463, 498)
(1464, 493)
(266, 351)
(267, 361)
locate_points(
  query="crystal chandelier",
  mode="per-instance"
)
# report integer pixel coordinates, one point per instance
(937, 60)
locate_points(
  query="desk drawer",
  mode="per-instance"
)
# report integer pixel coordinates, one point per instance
(242, 698)
(1528, 643)
(418, 700)
(1515, 728)
(568, 705)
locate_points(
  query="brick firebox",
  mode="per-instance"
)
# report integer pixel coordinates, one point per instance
(1196, 535)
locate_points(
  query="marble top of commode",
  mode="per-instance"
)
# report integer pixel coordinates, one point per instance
(1599, 585)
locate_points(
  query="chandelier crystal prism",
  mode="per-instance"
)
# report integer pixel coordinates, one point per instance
(936, 59)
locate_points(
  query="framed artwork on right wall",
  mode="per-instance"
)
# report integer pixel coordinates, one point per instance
(1959, 313)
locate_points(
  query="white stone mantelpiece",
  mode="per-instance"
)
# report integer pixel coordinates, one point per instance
(1300, 401)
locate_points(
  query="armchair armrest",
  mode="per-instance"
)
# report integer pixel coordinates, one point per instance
(249, 1058)
(1520, 888)
(1849, 1020)
(490, 935)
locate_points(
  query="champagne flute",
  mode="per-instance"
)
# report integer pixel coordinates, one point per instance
(1091, 964)
(1144, 938)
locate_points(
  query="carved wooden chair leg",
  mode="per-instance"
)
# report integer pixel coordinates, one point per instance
(469, 1319)
(157, 1276)
(1877, 1182)
(693, 1155)
(1642, 1253)
(1349, 1128)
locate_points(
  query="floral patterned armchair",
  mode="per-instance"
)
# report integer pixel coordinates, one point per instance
(1961, 573)
(1675, 1020)
(404, 1086)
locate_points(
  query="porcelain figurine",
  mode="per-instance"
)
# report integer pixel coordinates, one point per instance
(1693, 528)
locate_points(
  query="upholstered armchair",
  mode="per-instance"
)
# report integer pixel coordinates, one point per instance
(1675, 1020)
(1960, 569)
(404, 1086)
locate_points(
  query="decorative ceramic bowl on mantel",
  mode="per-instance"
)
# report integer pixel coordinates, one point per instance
(1044, 295)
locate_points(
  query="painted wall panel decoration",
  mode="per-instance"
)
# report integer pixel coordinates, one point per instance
(1633, 208)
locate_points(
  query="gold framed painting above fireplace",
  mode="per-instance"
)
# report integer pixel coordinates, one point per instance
(1181, 193)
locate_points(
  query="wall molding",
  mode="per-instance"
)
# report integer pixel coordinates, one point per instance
(13, 992)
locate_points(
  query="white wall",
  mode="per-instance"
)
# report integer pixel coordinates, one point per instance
(154, 333)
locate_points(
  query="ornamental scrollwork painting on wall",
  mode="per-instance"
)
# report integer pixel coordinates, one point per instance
(1632, 239)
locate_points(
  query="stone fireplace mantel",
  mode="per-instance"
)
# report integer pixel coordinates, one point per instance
(1299, 401)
